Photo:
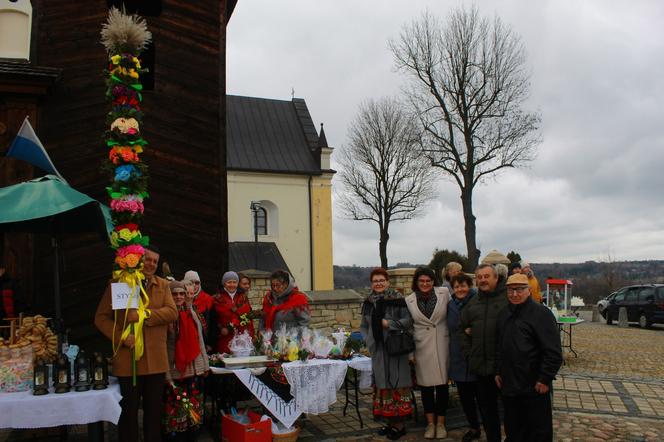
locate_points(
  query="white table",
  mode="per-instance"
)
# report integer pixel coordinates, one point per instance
(24, 410)
(314, 385)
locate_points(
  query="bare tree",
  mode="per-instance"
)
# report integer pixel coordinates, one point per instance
(611, 273)
(384, 178)
(468, 84)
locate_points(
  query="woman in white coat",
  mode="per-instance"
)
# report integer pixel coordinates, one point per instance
(428, 307)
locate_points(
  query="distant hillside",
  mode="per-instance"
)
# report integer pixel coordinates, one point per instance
(592, 280)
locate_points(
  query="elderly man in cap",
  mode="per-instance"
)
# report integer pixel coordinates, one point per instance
(528, 357)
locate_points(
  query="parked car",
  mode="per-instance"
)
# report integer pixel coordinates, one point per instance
(644, 304)
(603, 303)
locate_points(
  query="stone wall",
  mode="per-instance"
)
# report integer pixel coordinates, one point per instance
(334, 309)
(402, 279)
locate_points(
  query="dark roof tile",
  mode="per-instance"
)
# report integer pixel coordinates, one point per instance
(242, 256)
(270, 135)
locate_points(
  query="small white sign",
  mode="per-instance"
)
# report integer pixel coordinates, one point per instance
(121, 292)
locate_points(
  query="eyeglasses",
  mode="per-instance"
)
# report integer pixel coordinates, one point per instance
(379, 281)
(516, 290)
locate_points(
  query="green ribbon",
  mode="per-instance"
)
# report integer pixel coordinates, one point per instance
(111, 143)
(122, 191)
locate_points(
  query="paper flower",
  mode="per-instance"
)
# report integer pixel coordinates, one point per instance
(125, 173)
(132, 206)
(124, 124)
(124, 235)
(128, 226)
(131, 260)
(125, 154)
(133, 249)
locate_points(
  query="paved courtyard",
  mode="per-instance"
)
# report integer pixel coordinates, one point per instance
(613, 390)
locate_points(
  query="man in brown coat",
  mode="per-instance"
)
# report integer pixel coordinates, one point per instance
(151, 368)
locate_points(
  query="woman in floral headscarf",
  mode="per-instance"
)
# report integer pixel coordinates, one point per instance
(383, 311)
(188, 362)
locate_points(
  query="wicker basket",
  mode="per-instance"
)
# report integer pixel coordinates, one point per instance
(286, 437)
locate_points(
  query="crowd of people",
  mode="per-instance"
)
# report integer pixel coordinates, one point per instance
(182, 325)
(495, 341)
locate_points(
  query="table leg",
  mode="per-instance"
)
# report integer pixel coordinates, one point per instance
(356, 392)
(96, 432)
(346, 391)
(357, 398)
(570, 342)
(561, 332)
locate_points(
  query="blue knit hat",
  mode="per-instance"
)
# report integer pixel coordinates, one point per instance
(229, 276)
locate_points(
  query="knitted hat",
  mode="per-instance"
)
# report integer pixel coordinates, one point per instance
(229, 276)
(177, 286)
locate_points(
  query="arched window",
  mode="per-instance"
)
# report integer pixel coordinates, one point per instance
(260, 221)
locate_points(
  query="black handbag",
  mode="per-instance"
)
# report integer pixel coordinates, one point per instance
(399, 343)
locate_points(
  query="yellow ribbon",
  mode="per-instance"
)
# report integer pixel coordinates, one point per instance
(133, 279)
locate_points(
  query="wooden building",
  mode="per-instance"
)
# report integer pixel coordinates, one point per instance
(184, 123)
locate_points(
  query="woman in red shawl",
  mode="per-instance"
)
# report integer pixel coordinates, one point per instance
(232, 312)
(188, 364)
(284, 303)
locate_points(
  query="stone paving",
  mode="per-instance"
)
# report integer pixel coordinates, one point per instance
(613, 390)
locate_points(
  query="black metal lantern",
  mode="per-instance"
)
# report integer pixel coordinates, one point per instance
(62, 374)
(82, 377)
(99, 372)
(40, 379)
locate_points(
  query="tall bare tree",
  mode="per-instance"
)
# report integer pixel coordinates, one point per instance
(468, 85)
(384, 178)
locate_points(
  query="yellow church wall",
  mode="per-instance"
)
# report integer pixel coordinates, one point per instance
(321, 202)
(286, 199)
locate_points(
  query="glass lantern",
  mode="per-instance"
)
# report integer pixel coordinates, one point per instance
(82, 377)
(99, 372)
(40, 379)
(62, 374)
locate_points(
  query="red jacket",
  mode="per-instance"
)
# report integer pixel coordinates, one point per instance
(203, 302)
(227, 312)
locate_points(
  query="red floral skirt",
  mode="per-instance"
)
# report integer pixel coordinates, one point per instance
(388, 402)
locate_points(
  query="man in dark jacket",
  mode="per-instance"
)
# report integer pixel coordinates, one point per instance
(478, 321)
(528, 356)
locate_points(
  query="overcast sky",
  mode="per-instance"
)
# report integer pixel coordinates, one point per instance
(597, 185)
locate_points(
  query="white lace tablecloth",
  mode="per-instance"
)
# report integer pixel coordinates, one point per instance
(363, 365)
(314, 384)
(24, 410)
